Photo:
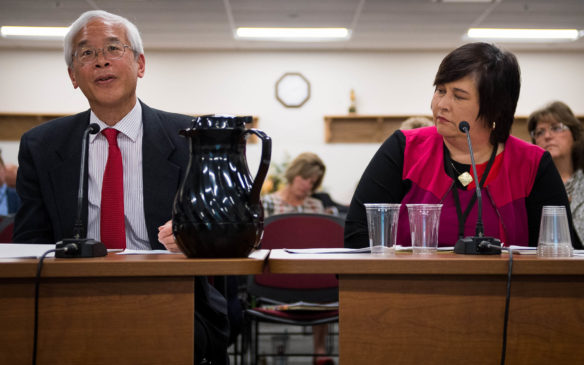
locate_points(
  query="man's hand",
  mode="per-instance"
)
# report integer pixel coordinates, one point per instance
(166, 237)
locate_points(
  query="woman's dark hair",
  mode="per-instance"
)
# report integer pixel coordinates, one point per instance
(558, 112)
(496, 73)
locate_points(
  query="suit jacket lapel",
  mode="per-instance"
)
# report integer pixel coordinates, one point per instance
(161, 176)
(64, 175)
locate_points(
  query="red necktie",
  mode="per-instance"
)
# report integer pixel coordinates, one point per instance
(113, 226)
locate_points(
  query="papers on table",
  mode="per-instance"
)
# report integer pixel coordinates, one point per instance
(327, 250)
(398, 248)
(523, 250)
(24, 250)
(147, 252)
(28, 250)
(35, 251)
(257, 254)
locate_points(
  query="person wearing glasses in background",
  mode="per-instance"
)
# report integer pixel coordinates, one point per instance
(556, 129)
(141, 145)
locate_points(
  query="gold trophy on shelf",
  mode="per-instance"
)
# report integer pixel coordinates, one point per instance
(352, 107)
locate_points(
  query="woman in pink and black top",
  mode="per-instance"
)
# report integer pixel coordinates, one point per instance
(478, 83)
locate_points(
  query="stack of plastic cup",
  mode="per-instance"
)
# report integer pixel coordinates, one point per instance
(554, 233)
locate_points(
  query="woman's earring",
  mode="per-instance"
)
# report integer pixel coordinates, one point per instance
(494, 124)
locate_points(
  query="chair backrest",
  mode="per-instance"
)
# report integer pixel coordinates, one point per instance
(299, 230)
(6, 228)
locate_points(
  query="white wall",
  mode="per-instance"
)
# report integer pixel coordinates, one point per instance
(36, 81)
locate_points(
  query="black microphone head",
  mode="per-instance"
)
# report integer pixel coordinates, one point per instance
(93, 128)
(464, 126)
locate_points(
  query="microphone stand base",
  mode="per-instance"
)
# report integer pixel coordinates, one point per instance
(85, 248)
(477, 246)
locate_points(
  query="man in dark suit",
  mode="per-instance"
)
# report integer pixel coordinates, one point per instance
(105, 58)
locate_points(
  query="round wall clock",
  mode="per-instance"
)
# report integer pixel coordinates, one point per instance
(292, 90)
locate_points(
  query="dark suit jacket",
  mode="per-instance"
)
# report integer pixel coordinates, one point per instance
(48, 177)
(48, 182)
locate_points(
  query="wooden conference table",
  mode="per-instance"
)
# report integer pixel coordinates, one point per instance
(439, 309)
(118, 309)
(449, 309)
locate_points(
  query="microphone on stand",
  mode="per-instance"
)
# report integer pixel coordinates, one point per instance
(478, 244)
(79, 245)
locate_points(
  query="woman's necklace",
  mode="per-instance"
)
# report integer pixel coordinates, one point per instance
(465, 178)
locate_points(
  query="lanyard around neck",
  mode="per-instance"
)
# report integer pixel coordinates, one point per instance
(450, 170)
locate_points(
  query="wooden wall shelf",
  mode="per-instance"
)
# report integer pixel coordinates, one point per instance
(361, 128)
(13, 126)
(376, 128)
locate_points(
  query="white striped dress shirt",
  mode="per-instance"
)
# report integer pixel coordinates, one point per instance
(130, 143)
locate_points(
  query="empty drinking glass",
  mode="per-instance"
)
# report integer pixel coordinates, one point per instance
(382, 223)
(424, 224)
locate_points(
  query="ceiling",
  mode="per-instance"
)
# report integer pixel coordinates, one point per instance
(379, 25)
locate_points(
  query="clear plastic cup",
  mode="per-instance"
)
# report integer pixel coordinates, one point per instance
(382, 223)
(554, 233)
(424, 224)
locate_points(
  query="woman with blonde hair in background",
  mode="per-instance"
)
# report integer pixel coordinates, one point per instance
(303, 176)
(556, 129)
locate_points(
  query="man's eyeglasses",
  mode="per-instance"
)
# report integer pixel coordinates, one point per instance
(112, 51)
(554, 129)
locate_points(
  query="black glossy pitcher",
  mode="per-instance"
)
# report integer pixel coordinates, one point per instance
(217, 211)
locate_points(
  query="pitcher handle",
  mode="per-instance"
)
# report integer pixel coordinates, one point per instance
(264, 164)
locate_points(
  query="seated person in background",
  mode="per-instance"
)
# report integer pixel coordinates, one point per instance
(415, 122)
(9, 200)
(11, 172)
(477, 83)
(105, 58)
(556, 129)
(303, 176)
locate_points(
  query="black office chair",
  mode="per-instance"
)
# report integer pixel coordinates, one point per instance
(295, 230)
